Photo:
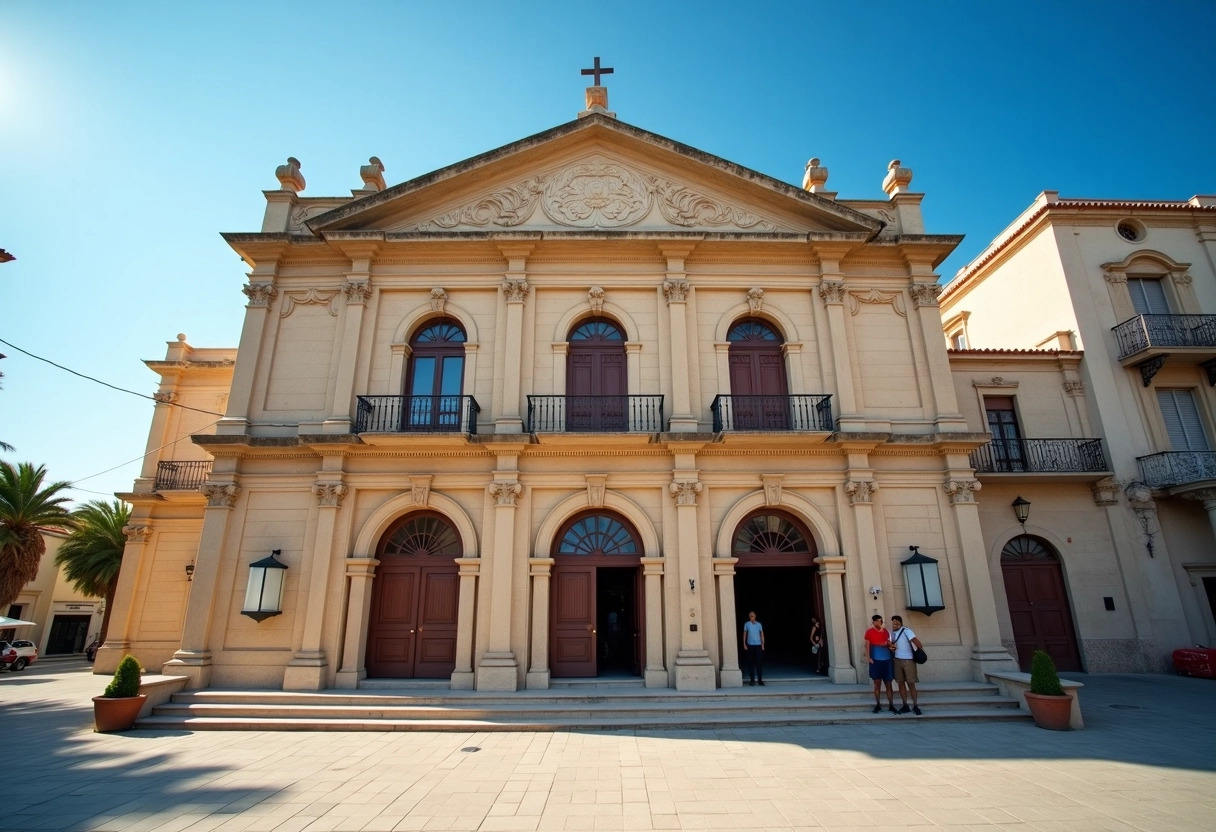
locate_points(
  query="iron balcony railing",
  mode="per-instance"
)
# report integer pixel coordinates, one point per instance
(417, 414)
(1027, 456)
(1147, 331)
(772, 413)
(181, 476)
(595, 414)
(1172, 468)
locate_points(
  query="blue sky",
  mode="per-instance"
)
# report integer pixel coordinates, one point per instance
(131, 134)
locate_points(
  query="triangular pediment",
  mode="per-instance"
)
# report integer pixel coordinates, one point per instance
(595, 174)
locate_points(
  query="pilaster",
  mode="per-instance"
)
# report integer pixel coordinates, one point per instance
(676, 288)
(832, 293)
(540, 569)
(515, 290)
(261, 292)
(359, 575)
(463, 677)
(655, 674)
(841, 669)
(694, 669)
(928, 318)
(730, 674)
(497, 670)
(357, 290)
(132, 575)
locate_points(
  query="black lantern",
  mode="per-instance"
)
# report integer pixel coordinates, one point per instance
(1021, 510)
(923, 582)
(264, 595)
(190, 571)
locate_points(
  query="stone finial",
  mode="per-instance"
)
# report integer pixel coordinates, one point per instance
(897, 180)
(373, 174)
(815, 179)
(289, 176)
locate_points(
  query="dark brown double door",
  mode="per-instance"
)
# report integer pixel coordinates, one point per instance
(759, 393)
(595, 618)
(1038, 604)
(596, 383)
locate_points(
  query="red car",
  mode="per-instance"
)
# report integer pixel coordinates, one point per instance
(1196, 661)
(18, 654)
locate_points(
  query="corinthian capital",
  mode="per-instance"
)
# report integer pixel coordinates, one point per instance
(831, 291)
(925, 294)
(221, 495)
(506, 493)
(961, 491)
(164, 398)
(516, 291)
(860, 491)
(329, 493)
(358, 291)
(137, 534)
(685, 492)
(259, 294)
(675, 290)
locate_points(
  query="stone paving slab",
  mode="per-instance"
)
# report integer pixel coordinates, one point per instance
(1145, 761)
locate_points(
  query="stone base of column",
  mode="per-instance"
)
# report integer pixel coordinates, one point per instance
(232, 427)
(694, 671)
(463, 680)
(986, 658)
(537, 680)
(307, 671)
(336, 426)
(196, 667)
(109, 655)
(843, 675)
(683, 424)
(515, 426)
(349, 679)
(731, 678)
(498, 672)
(655, 677)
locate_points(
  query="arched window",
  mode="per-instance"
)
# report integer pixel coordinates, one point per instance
(759, 397)
(598, 535)
(772, 539)
(421, 536)
(435, 378)
(1025, 547)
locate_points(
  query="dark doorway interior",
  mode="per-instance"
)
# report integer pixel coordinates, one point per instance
(784, 600)
(68, 634)
(617, 622)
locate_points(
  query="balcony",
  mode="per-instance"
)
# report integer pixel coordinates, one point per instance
(1184, 337)
(1177, 468)
(417, 414)
(1040, 456)
(181, 476)
(772, 413)
(594, 414)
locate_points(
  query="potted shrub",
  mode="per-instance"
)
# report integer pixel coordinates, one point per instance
(117, 708)
(1050, 706)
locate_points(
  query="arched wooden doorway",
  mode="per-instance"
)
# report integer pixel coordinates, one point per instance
(1038, 603)
(759, 393)
(597, 607)
(435, 378)
(596, 383)
(412, 629)
(776, 577)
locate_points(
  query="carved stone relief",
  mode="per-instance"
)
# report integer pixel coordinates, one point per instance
(962, 491)
(831, 291)
(925, 294)
(595, 297)
(860, 296)
(439, 299)
(137, 534)
(358, 291)
(1074, 388)
(322, 297)
(165, 398)
(772, 488)
(685, 492)
(675, 290)
(329, 493)
(516, 291)
(595, 195)
(259, 294)
(1106, 492)
(506, 493)
(860, 491)
(755, 299)
(420, 488)
(596, 487)
(222, 496)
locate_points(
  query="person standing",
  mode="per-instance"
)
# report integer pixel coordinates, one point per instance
(878, 654)
(903, 640)
(753, 649)
(818, 653)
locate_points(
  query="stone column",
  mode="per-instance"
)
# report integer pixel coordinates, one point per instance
(462, 676)
(515, 289)
(306, 670)
(676, 289)
(360, 573)
(694, 669)
(841, 669)
(860, 490)
(724, 572)
(497, 669)
(130, 578)
(655, 674)
(193, 660)
(538, 672)
(987, 654)
(357, 290)
(844, 405)
(261, 292)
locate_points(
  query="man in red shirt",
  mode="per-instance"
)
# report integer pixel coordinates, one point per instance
(882, 669)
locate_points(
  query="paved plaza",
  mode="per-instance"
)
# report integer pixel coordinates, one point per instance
(1145, 761)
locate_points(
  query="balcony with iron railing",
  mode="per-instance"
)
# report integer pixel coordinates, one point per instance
(594, 414)
(1174, 469)
(417, 414)
(1041, 456)
(186, 475)
(1180, 335)
(772, 413)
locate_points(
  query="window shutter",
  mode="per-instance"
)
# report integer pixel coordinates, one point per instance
(1182, 422)
(1148, 296)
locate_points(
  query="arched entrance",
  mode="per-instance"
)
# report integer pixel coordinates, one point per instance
(758, 388)
(1038, 603)
(412, 628)
(597, 607)
(596, 384)
(776, 577)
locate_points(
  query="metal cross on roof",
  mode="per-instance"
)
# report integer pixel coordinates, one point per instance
(597, 70)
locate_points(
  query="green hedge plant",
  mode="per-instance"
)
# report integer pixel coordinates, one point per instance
(126, 679)
(1043, 678)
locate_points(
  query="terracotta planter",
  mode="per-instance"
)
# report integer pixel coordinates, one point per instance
(1051, 712)
(116, 713)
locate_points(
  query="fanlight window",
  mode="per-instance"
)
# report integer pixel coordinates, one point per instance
(1025, 547)
(751, 330)
(440, 333)
(597, 534)
(768, 534)
(597, 329)
(423, 536)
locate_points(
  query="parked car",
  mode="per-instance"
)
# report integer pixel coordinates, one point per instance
(90, 652)
(18, 654)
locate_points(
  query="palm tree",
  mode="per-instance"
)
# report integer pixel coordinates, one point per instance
(92, 555)
(25, 506)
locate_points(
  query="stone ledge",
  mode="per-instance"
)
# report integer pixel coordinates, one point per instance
(160, 689)
(1014, 683)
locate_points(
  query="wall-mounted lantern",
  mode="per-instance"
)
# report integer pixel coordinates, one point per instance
(264, 594)
(1021, 510)
(190, 571)
(875, 591)
(692, 585)
(923, 582)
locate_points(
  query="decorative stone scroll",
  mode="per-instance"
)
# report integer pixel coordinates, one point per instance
(1114, 277)
(164, 398)
(675, 290)
(516, 291)
(962, 491)
(439, 299)
(506, 208)
(596, 194)
(860, 296)
(684, 207)
(860, 491)
(221, 495)
(755, 299)
(685, 492)
(329, 493)
(595, 297)
(321, 297)
(925, 294)
(259, 294)
(357, 291)
(420, 490)
(831, 291)
(506, 493)
(137, 534)
(1182, 278)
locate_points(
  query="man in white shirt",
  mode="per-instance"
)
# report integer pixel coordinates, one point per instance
(903, 641)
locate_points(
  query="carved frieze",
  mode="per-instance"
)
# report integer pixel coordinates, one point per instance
(259, 294)
(684, 207)
(321, 297)
(506, 493)
(595, 194)
(506, 208)
(358, 291)
(872, 296)
(675, 291)
(685, 492)
(925, 294)
(961, 491)
(137, 533)
(516, 291)
(860, 491)
(831, 291)
(221, 495)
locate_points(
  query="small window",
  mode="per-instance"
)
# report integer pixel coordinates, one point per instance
(1130, 230)
(958, 340)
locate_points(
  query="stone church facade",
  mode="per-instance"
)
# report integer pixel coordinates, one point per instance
(570, 408)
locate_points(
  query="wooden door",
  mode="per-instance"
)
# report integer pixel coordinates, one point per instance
(759, 393)
(572, 617)
(393, 627)
(1038, 604)
(437, 611)
(596, 383)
